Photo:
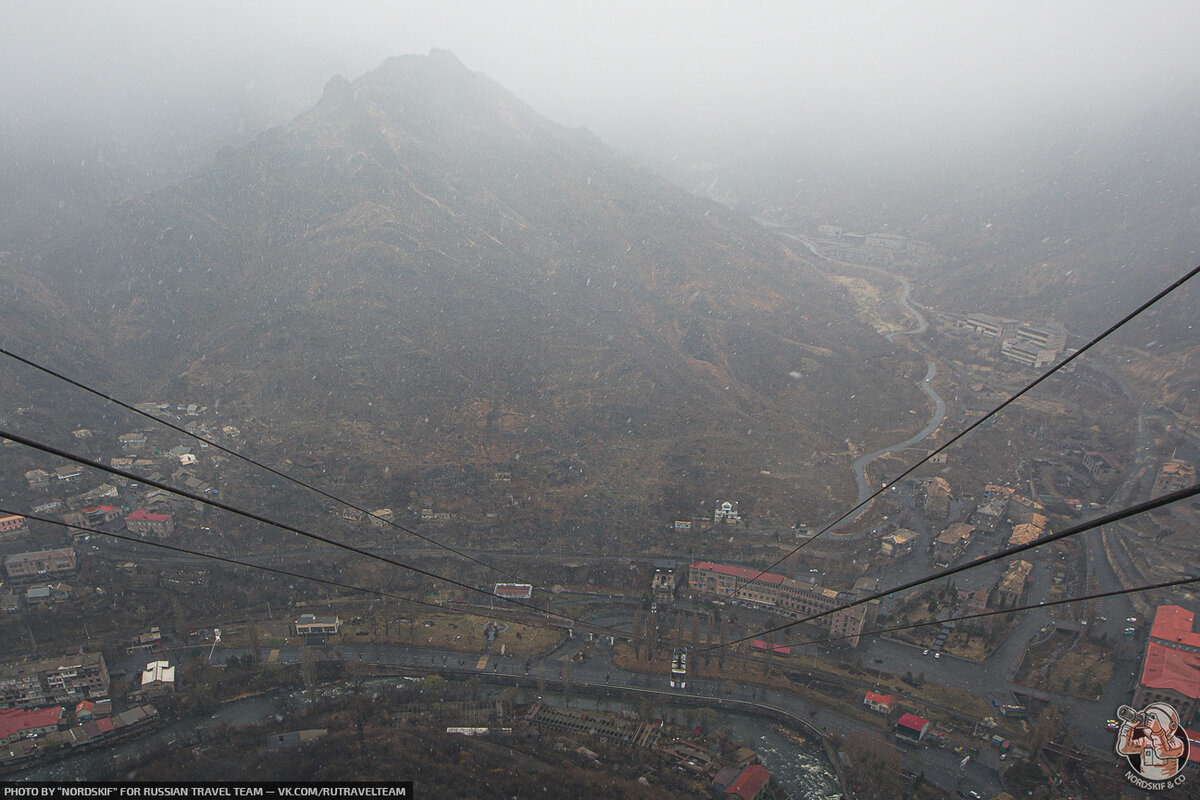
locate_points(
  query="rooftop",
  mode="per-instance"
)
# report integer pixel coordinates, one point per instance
(148, 516)
(750, 782)
(1174, 625)
(740, 572)
(1168, 668)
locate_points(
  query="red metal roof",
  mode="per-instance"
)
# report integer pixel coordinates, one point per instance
(882, 699)
(740, 572)
(750, 782)
(778, 649)
(1174, 625)
(14, 720)
(912, 722)
(1168, 668)
(143, 514)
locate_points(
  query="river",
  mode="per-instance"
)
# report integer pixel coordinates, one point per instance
(802, 770)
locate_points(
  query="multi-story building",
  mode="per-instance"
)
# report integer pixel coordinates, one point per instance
(41, 563)
(1046, 337)
(988, 325)
(951, 542)
(735, 583)
(898, 544)
(1025, 533)
(11, 522)
(795, 598)
(55, 680)
(1171, 670)
(936, 498)
(1027, 353)
(1011, 587)
(1100, 465)
(148, 523)
(1173, 476)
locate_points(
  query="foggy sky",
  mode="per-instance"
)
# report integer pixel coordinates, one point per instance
(679, 74)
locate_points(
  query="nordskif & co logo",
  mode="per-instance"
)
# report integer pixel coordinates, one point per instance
(1154, 746)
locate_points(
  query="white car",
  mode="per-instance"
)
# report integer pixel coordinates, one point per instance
(925, 653)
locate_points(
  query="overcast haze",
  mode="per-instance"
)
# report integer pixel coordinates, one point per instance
(687, 72)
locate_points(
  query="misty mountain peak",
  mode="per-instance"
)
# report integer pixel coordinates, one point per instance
(338, 93)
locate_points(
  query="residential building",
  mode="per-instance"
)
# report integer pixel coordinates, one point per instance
(1025, 533)
(55, 680)
(951, 542)
(97, 515)
(1011, 587)
(989, 512)
(898, 544)
(879, 703)
(148, 523)
(663, 583)
(1173, 476)
(11, 522)
(40, 563)
(937, 498)
(727, 512)
(311, 625)
(1171, 670)
(68, 473)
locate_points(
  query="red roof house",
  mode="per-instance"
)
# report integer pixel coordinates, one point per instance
(878, 702)
(751, 784)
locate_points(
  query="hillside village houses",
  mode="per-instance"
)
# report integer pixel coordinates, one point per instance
(726, 512)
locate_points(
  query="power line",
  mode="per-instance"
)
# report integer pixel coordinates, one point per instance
(45, 448)
(251, 565)
(997, 612)
(1107, 519)
(1012, 399)
(249, 460)
(379, 593)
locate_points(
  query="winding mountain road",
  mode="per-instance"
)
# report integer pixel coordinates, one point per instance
(925, 384)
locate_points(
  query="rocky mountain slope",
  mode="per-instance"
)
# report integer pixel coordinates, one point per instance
(421, 281)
